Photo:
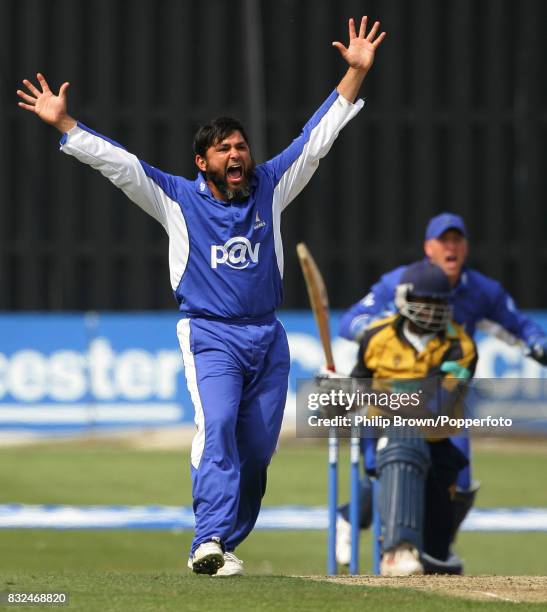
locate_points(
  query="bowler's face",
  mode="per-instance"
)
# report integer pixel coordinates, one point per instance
(228, 163)
(448, 251)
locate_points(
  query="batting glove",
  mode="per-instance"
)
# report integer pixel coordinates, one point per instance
(327, 379)
(457, 370)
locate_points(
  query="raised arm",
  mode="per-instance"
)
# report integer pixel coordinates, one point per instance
(152, 190)
(293, 167)
(49, 107)
(359, 54)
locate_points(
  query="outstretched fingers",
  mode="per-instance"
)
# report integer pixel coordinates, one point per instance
(28, 99)
(62, 89)
(351, 28)
(373, 31)
(43, 82)
(379, 40)
(31, 88)
(340, 47)
(371, 37)
(363, 27)
(29, 107)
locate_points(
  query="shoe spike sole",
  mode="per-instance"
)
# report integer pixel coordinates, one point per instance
(208, 565)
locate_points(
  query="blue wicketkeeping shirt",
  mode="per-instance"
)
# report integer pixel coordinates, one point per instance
(475, 299)
(225, 258)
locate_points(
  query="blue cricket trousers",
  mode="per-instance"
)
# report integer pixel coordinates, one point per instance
(237, 375)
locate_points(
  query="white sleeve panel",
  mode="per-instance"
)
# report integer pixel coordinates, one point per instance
(121, 168)
(278, 242)
(306, 162)
(321, 139)
(125, 171)
(179, 243)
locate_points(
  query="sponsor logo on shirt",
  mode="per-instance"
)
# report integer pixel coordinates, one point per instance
(258, 222)
(237, 253)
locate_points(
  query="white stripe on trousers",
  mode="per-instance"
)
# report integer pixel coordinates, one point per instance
(198, 443)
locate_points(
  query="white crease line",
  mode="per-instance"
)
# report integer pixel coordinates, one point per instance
(498, 596)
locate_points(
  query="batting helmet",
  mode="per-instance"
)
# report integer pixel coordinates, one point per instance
(422, 296)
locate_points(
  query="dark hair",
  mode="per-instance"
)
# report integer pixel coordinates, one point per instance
(215, 131)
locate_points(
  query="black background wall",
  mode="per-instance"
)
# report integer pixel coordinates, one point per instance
(455, 119)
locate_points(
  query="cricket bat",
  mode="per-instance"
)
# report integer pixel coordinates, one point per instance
(319, 300)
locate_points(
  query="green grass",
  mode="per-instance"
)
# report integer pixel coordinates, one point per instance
(159, 591)
(145, 570)
(264, 552)
(109, 474)
(511, 479)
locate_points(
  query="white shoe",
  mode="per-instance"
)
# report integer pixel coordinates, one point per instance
(343, 540)
(232, 566)
(403, 560)
(208, 558)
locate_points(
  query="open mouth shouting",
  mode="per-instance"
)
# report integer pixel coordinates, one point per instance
(232, 177)
(451, 262)
(234, 174)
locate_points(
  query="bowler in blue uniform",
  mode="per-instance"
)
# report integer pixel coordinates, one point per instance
(226, 270)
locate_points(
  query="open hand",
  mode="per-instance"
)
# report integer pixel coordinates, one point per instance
(359, 54)
(49, 107)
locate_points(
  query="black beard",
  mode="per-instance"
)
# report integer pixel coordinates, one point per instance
(220, 183)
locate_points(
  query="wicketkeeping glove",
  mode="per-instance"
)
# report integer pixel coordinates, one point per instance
(538, 350)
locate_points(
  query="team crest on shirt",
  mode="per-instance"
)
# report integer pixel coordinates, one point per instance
(258, 222)
(396, 361)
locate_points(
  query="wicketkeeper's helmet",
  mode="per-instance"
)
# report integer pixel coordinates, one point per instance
(422, 296)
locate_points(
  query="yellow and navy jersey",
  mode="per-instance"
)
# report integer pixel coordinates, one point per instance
(394, 365)
(385, 353)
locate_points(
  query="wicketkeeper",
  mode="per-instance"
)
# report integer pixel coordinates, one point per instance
(226, 269)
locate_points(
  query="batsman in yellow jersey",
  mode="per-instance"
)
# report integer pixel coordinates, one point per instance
(417, 473)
